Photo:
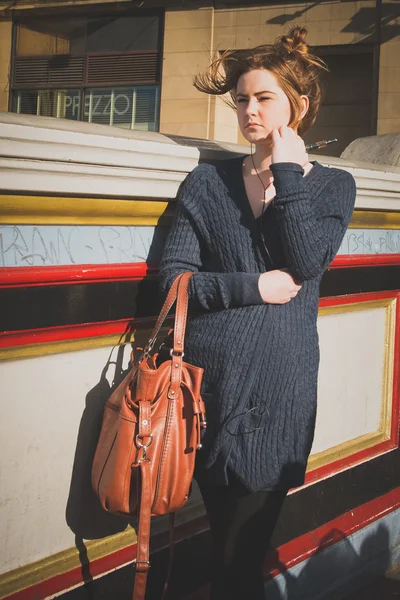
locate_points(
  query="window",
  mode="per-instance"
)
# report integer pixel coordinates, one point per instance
(349, 99)
(100, 70)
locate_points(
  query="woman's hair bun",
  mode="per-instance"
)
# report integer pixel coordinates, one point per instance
(293, 42)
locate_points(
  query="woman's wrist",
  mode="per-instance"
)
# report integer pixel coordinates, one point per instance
(288, 178)
(292, 167)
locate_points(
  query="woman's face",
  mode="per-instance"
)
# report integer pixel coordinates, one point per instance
(262, 105)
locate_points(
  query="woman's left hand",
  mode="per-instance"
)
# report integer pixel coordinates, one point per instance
(287, 146)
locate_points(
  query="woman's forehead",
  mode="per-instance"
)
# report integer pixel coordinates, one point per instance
(257, 80)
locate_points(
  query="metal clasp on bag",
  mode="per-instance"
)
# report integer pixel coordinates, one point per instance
(171, 353)
(144, 447)
(148, 348)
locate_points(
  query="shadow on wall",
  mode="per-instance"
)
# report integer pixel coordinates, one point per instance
(363, 22)
(335, 570)
(84, 514)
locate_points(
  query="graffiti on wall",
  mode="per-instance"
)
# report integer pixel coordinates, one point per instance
(41, 245)
(371, 241)
(28, 246)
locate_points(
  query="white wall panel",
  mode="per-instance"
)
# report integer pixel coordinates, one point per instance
(351, 376)
(42, 403)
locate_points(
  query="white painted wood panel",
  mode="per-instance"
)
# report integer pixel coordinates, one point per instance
(351, 375)
(42, 403)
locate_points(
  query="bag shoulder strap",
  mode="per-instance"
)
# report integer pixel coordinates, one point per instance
(178, 292)
(142, 562)
(177, 353)
(168, 304)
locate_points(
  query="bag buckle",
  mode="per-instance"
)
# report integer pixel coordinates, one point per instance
(144, 568)
(171, 353)
(144, 447)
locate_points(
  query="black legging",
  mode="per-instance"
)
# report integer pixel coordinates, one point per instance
(241, 526)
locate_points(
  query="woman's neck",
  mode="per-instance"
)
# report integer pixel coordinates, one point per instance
(261, 158)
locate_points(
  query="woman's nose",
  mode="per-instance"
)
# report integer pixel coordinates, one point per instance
(251, 108)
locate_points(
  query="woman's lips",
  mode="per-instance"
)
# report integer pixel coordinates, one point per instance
(253, 125)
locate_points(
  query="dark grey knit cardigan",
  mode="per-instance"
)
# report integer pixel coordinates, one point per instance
(260, 360)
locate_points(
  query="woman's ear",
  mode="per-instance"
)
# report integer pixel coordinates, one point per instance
(305, 103)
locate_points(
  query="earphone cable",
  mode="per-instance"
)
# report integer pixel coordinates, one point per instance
(262, 237)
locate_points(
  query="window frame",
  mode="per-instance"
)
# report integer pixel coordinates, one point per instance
(86, 86)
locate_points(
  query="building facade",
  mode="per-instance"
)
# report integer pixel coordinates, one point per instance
(131, 64)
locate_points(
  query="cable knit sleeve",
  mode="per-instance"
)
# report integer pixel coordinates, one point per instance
(183, 252)
(311, 231)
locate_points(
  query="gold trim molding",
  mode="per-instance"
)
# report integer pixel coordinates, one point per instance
(32, 350)
(45, 210)
(374, 219)
(53, 210)
(383, 433)
(62, 562)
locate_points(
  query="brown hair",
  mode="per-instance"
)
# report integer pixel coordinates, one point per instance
(288, 59)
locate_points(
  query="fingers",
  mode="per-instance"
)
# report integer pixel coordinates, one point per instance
(275, 136)
(287, 132)
(295, 286)
(292, 294)
(294, 291)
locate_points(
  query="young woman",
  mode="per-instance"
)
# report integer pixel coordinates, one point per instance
(258, 232)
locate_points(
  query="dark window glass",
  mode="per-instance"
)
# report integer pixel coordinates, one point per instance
(25, 102)
(346, 112)
(125, 34)
(70, 104)
(146, 108)
(50, 36)
(47, 101)
(127, 107)
(47, 37)
(64, 104)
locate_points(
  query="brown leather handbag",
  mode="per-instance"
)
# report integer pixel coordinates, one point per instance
(151, 428)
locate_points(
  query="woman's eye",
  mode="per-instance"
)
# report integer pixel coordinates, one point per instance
(242, 100)
(264, 98)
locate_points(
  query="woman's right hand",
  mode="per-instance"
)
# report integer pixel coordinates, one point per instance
(277, 287)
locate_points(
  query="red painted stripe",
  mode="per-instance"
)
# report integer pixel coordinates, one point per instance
(9, 339)
(70, 274)
(365, 260)
(357, 458)
(312, 542)
(65, 581)
(294, 552)
(87, 330)
(355, 298)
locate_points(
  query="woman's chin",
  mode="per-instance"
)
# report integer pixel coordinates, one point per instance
(256, 137)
